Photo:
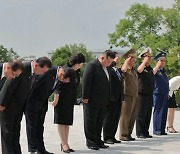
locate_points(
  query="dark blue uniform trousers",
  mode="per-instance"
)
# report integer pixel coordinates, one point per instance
(160, 113)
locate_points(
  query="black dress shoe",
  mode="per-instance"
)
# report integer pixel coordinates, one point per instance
(149, 136)
(93, 147)
(141, 136)
(164, 133)
(109, 141)
(116, 141)
(103, 146)
(71, 150)
(131, 138)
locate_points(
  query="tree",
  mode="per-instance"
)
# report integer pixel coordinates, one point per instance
(173, 62)
(172, 23)
(140, 28)
(6, 55)
(61, 55)
(144, 26)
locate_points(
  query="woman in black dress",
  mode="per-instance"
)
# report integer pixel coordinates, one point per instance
(66, 96)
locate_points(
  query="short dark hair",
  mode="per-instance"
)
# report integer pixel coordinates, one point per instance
(16, 65)
(69, 73)
(44, 61)
(78, 58)
(109, 53)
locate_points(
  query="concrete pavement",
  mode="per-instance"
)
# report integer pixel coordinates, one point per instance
(169, 144)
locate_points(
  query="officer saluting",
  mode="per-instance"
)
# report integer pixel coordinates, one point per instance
(160, 96)
(145, 94)
(129, 105)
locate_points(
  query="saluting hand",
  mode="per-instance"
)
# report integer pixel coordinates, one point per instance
(158, 63)
(128, 60)
(145, 60)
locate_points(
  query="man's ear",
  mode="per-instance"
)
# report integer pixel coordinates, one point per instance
(8, 67)
(102, 58)
(36, 65)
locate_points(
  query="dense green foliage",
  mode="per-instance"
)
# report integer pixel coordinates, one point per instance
(61, 55)
(6, 55)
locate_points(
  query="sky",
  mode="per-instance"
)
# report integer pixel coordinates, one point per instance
(36, 27)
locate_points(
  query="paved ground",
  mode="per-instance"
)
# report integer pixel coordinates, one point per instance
(169, 144)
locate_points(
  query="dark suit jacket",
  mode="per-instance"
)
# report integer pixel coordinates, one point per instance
(116, 86)
(38, 100)
(1, 67)
(96, 86)
(15, 91)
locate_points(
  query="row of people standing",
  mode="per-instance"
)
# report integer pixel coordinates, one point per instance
(13, 98)
(28, 93)
(104, 105)
(105, 89)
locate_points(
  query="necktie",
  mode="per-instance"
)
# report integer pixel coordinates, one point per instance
(55, 83)
(118, 74)
(33, 79)
(3, 80)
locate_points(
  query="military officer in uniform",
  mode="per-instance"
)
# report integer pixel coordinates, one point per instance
(160, 96)
(129, 105)
(145, 94)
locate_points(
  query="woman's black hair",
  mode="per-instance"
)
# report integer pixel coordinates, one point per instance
(76, 59)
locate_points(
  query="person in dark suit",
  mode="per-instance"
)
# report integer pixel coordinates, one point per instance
(37, 106)
(64, 107)
(95, 97)
(114, 108)
(145, 94)
(14, 96)
(8, 71)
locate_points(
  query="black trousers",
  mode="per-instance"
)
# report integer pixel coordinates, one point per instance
(111, 120)
(35, 130)
(144, 112)
(93, 121)
(10, 133)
